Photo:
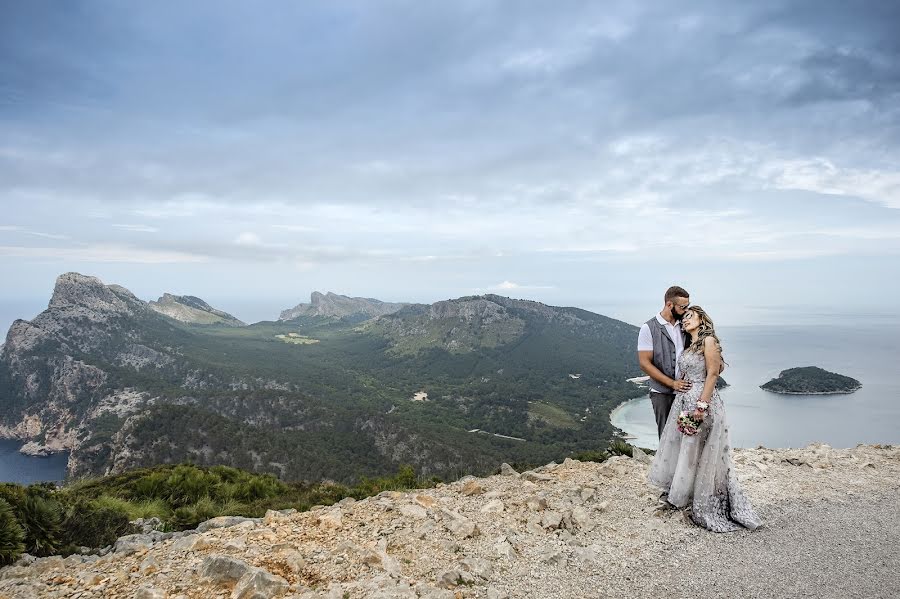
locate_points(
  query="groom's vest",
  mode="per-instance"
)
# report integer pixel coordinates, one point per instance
(663, 354)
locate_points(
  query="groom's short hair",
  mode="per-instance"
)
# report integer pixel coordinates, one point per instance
(675, 291)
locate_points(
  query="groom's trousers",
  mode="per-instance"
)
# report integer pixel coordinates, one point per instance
(662, 404)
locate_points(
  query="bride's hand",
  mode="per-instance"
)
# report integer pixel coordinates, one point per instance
(699, 415)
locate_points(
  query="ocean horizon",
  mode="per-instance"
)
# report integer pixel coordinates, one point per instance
(757, 354)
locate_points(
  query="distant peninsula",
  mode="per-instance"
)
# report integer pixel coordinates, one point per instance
(811, 380)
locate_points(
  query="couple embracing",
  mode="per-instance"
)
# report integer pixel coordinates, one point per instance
(681, 353)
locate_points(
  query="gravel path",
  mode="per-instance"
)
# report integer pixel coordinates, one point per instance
(817, 549)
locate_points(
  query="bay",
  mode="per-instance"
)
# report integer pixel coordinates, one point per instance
(23, 469)
(865, 351)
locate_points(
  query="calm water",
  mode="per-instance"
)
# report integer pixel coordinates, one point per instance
(18, 468)
(757, 354)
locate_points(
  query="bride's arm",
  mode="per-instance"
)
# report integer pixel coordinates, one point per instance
(713, 366)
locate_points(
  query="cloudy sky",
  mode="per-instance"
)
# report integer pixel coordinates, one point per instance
(577, 153)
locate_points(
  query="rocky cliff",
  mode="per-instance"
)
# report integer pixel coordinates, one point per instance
(332, 305)
(573, 530)
(50, 388)
(193, 310)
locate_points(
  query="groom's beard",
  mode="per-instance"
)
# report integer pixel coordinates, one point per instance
(678, 317)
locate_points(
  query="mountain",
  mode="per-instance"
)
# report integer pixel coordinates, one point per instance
(451, 388)
(332, 305)
(190, 309)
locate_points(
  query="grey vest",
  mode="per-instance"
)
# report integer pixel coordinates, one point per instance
(663, 354)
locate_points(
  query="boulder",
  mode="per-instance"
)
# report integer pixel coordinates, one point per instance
(224, 522)
(222, 569)
(133, 543)
(507, 470)
(259, 584)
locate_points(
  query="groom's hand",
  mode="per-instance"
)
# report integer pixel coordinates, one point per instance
(681, 385)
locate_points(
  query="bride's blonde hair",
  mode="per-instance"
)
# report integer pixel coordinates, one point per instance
(706, 329)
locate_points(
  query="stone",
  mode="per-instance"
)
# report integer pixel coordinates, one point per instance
(580, 517)
(225, 522)
(472, 488)
(638, 454)
(429, 592)
(449, 579)
(551, 520)
(193, 542)
(333, 519)
(426, 501)
(262, 534)
(587, 554)
(536, 503)
(149, 593)
(552, 555)
(604, 505)
(535, 477)
(477, 566)
(505, 550)
(259, 584)
(459, 525)
(149, 565)
(495, 593)
(236, 544)
(507, 470)
(222, 569)
(416, 512)
(146, 525)
(133, 544)
(587, 493)
(493, 507)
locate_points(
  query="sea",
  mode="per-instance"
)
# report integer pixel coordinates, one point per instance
(23, 469)
(866, 351)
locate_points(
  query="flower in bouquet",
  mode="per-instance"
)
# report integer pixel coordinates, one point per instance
(688, 424)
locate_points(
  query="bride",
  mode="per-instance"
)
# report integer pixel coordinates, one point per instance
(693, 462)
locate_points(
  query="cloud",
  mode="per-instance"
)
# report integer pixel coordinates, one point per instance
(137, 228)
(100, 253)
(509, 286)
(24, 231)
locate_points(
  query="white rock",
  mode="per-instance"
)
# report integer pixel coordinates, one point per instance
(413, 511)
(493, 507)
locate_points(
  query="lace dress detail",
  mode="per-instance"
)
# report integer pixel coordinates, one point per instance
(697, 471)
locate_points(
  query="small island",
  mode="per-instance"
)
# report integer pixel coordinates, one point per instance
(811, 380)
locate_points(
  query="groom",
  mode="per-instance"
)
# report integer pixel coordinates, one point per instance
(660, 344)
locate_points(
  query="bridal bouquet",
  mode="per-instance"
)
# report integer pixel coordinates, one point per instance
(688, 423)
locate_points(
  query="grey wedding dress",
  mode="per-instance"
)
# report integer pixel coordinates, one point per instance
(696, 470)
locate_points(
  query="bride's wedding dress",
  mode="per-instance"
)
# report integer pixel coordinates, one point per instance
(697, 470)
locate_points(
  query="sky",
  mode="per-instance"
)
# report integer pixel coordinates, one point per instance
(577, 153)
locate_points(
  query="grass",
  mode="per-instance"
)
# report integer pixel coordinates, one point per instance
(551, 414)
(297, 339)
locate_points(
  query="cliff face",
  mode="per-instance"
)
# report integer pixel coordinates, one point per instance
(332, 305)
(51, 386)
(570, 530)
(193, 310)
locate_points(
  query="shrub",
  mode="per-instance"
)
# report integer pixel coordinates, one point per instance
(11, 535)
(591, 456)
(94, 524)
(619, 447)
(41, 517)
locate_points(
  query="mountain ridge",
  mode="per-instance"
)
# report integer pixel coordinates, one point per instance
(333, 305)
(103, 375)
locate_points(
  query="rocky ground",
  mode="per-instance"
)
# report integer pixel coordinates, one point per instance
(578, 529)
